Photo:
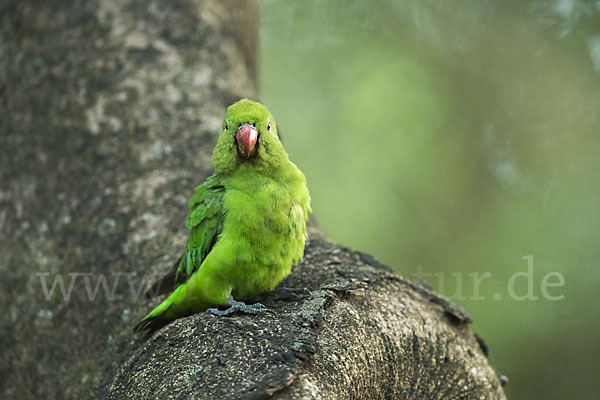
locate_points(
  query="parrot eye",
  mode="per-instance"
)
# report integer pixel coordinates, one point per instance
(269, 125)
(254, 124)
(226, 125)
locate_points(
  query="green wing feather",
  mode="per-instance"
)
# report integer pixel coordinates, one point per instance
(205, 221)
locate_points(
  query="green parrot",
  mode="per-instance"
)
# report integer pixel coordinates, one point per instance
(247, 222)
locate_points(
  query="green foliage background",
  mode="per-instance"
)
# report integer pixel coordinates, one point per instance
(457, 137)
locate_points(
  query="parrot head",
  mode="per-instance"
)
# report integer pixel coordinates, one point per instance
(249, 137)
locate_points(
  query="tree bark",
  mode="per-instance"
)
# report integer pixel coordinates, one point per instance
(109, 112)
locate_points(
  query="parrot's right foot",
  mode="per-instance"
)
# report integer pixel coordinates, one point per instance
(234, 306)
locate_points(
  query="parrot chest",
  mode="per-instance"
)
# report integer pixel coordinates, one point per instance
(261, 229)
(259, 218)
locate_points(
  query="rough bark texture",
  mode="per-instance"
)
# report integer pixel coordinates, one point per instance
(109, 112)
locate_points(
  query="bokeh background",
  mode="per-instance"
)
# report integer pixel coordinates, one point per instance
(453, 138)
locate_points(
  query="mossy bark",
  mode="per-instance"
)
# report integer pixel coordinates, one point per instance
(109, 112)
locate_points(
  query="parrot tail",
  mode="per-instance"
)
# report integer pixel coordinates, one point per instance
(155, 319)
(161, 314)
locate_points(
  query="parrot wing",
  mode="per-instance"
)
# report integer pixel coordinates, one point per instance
(205, 221)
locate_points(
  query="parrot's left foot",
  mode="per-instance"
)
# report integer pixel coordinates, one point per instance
(234, 306)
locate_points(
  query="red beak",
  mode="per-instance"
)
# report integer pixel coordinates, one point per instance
(246, 137)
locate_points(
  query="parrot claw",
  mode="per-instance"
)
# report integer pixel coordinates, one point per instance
(234, 306)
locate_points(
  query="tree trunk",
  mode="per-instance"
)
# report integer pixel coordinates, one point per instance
(109, 112)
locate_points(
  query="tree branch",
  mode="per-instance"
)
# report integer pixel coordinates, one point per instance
(110, 113)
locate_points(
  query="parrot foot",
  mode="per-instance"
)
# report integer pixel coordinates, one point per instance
(234, 306)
